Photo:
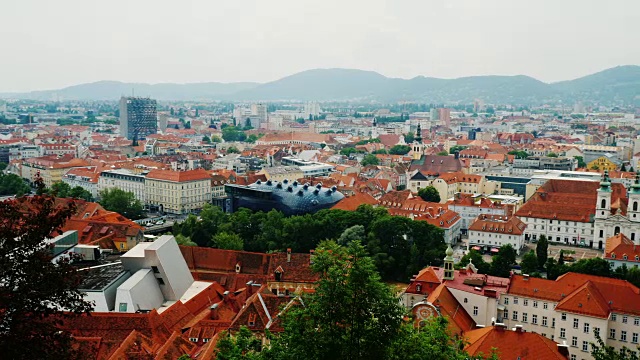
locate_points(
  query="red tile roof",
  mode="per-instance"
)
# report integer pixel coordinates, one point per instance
(498, 224)
(179, 176)
(618, 247)
(511, 344)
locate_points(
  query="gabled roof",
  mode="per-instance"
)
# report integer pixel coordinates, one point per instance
(449, 307)
(511, 344)
(179, 176)
(498, 224)
(351, 203)
(619, 246)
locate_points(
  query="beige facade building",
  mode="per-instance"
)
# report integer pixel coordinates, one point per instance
(178, 192)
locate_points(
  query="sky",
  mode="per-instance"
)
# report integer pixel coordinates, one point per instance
(52, 44)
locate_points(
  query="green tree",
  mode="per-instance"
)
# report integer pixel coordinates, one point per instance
(352, 314)
(206, 139)
(184, 240)
(227, 241)
(456, 148)
(476, 259)
(399, 150)
(443, 153)
(233, 150)
(348, 151)
(187, 125)
(529, 263)
(602, 351)
(409, 138)
(552, 154)
(432, 341)
(356, 232)
(502, 262)
(34, 290)
(12, 184)
(519, 154)
(3, 166)
(542, 251)
(216, 139)
(370, 159)
(243, 345)
(252, 138)
(429, 193)
(231, 133)
(580, 160)
(122, 202)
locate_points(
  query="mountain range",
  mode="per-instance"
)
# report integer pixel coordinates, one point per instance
(614, 86)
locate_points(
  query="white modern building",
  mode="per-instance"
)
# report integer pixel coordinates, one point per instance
(125, 180)
(493, 231)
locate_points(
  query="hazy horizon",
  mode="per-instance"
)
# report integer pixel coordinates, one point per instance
(51, 45)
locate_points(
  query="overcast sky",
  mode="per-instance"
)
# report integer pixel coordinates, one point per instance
(49, 44)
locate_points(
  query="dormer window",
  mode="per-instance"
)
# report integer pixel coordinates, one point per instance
(613, 255)
(238, 267)
(419, 288)
(624, 257)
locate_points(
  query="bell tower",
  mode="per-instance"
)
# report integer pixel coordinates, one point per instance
(603, 206)
(417, 146)
(448, 264)
(633, 210)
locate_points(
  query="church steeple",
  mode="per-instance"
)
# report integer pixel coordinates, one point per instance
(418, 137)
(633, 209)
(603, 206)
(448, 264)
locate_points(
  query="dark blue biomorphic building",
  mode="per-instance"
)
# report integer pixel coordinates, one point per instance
(290, 197)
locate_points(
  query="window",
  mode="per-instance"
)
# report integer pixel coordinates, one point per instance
(574, 341)
(534, 319)
(526, 302)
(636, 321)
(624, 319)
(515, 300)
(612, 333)
(475, 311)
(601, 233)
(563, 317)
(573, 357)
(545, 306)
(634, 338)
(506, 301)
(123, 307)
(418, 286)
(586, 328)
(535, 304)
(585, 346)
(514, 316)
(505, 314)
(596, 330)
(155, 269)
(524, 317)
(613, 317)
(465, 300)
(562, 333)
(553, 322)
(623, 335)
(160, 281)
(544, 321)
(575, 323)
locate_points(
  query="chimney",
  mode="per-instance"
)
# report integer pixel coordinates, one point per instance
(288, 255)
(214, 312)
(518, 329)
(563, 349)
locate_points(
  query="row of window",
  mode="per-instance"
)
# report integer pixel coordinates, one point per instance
(625, 319)
(525, 302)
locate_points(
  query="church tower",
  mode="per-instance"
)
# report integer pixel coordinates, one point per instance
(448, 264)
(633, 210)
(603, 206)
(374, 129)
(417, 145)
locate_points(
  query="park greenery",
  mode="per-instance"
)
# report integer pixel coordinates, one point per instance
(399, 150)
(399, 247)
(351, 315)
(122, 202)
(370, 159)
(64, 190)
(12, 184)
(429, 193)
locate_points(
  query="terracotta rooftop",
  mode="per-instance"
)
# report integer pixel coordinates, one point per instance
(511, 344)
(179, 176)
(621, 248)
(498, 224)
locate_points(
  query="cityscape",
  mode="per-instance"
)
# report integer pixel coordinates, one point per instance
(316, 208)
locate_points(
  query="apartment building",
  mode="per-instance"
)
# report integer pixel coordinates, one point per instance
(50, 168)
(493, 231)
(125, 180)
(86, 178)
(178, 192)
(574, 307)
(470, 208)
